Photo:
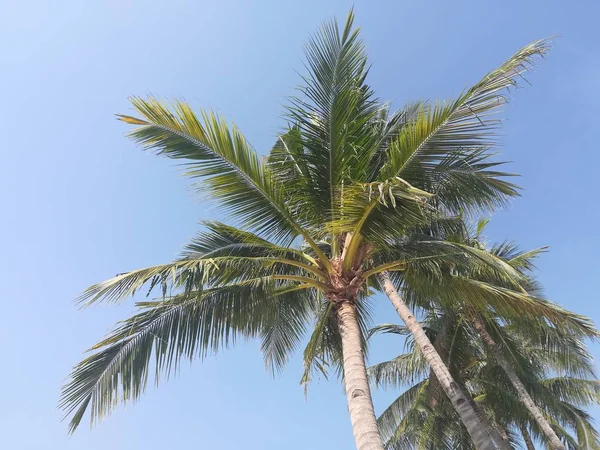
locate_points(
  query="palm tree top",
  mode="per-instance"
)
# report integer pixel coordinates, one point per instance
(312, 223)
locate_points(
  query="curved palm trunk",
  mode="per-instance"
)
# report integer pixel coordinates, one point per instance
(358, 393)
(524, 396)
(483, 437)
(527, 438)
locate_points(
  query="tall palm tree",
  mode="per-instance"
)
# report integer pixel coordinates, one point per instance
(314, 223)
(557, 368)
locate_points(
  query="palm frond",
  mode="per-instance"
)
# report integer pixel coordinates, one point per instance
(518, 259)
(323, 351)
(445, 149)
(387, 128)
(460, 129)
(577, 391)
(188, 325)
(230, 169)
(389, 328)
(404, 369)
(333, 113)
(324, 346)
(218, 255)
(286, 324)
(390, 420)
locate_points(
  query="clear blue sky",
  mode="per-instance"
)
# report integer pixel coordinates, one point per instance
(81, 203)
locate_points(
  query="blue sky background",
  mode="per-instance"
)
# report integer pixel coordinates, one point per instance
(81, 203)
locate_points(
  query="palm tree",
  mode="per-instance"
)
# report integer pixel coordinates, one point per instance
(522, 262)
(423, 418)
(556, 372)
(314, 223)
(536, 311)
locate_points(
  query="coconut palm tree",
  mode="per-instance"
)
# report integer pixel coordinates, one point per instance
(556, 372)
(479, 291)
(313, 224)
(477, 315)
(554, 366)
(524, 263)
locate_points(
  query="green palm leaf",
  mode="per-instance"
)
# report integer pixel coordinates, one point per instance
(230, 169)
(444, 150)
(188, 325)
(333, 115)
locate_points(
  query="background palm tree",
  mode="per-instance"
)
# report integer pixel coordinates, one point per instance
(312, 225)
(533, 313)
(556, 369)
(524, 263)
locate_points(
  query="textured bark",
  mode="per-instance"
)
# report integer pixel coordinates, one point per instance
(527, 438)
(500, 437)
(524, 396)
(482, 437)
(358, 393)
(503, 433)
(436, 391)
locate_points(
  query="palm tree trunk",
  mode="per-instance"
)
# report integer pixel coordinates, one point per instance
(480, 434)
(439, 345)
(527, 438)
(524, 396)
(501, 439)
(358, 393)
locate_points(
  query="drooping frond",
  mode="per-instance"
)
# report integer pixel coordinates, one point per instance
(189, 325)
(510, 303)
(286, 324)
(220, 254)
(324, 347)
(406, 368)
(562, 349)
(394, 414)
(577, 391)
(389, 328)
(323, 351)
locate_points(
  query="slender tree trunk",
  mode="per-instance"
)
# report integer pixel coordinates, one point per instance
(482, 437)
(527, 438)
(500, 438)
(358, 393)
(440, 346)
(524, 396)
(503, 433)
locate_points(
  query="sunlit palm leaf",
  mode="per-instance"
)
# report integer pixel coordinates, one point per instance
(460, 126)
(230, 169)
(334, 113)
(444, 150)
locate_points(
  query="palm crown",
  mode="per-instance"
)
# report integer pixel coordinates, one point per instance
(312, 224)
